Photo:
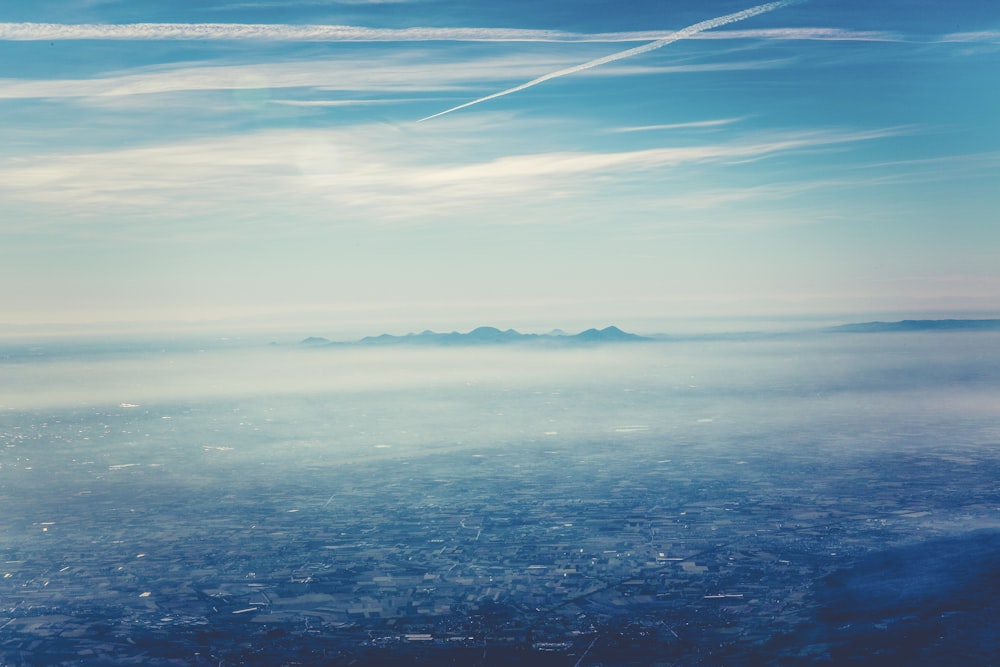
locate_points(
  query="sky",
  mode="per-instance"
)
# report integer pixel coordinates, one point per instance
(282, 164)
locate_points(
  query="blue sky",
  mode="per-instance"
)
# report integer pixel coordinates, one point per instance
(259, 162)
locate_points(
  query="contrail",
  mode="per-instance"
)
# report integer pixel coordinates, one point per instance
(628, 53)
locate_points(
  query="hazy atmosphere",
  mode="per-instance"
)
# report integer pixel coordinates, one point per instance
(262, 163)
(550, 334)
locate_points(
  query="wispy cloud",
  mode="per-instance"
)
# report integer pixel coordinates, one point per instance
(971, 160)
(286, 32)
(967, 167)
(982, 37)
(397, 73)
(725, 66)
(363, 175)
(348, 33)
(805, 34)
(680, 126)
(400, 72)
(724, 197)
(529, 167)
(342, 103)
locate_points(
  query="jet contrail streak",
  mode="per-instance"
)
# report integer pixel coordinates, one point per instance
(628, 53)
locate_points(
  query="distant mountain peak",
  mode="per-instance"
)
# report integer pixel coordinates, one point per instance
(315, 340)
(607, 334)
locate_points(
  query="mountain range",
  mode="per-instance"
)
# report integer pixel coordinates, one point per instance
(612, 334)
(492, 336)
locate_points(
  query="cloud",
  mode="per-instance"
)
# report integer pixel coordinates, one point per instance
(967, 167)
(982, 37)
(947, 162)
(398, 72)
(727, 66)
(365, 175)
(394, 73)
(287, 32)
(714, 197)
(341, 103)
(805, 34)
(524, 169)
(348, 33)
(680, 126)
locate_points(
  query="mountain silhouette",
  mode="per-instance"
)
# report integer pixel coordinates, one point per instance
(493, 336)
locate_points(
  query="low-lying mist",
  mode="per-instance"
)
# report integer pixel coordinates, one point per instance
(836, 391)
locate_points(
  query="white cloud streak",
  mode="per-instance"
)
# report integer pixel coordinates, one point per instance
(399, 73)
(680, 126)
(338, 103)
(290, 33)
(361, 175)
(347, 33)
(805, 34)
(983, 37)
(395, 74)
(529, 167)
(628, 53)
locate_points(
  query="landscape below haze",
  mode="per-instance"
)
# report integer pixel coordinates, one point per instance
(799, 498)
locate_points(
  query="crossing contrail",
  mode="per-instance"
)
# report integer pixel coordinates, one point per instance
(628, 53)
